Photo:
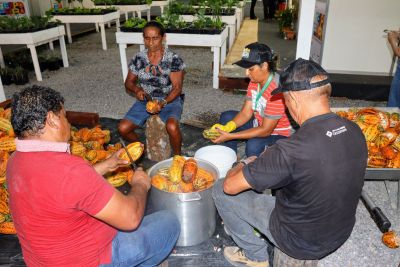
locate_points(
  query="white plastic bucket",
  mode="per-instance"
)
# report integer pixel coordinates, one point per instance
(221, 156)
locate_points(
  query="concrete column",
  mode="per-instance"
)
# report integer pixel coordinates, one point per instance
(305, 27)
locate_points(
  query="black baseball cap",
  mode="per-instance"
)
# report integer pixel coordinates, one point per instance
(297, 76)
(255, 53)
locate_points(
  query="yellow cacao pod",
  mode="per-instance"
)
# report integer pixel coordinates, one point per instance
(117, 180)
(176, 169)
(78, 149)
(135, 151)
(7, 228)
(7, 143)
(5, 126)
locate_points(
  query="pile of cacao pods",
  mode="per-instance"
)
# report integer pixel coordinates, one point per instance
(92, 145)
(381, 130)
(183, 176)
(7, 146)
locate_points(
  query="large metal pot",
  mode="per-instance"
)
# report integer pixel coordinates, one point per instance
(196, 211)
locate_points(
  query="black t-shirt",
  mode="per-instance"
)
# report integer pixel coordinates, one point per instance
(318, 173)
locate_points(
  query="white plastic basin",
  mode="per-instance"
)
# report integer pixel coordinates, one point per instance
(221, 156)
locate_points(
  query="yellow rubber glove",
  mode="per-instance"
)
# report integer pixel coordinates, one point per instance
(229, 127)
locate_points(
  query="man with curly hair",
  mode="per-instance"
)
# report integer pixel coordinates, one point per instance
(65, 212)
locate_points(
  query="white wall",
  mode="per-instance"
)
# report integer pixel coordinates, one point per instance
(354, 39)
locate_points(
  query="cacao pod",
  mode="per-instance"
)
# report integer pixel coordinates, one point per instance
(176, 169)
(160, 182)
(211, 134)
(7, 143)
(152, 106)
(135, 150)
(7, 228)
(117, 180)
(391, 239)
(189, 170)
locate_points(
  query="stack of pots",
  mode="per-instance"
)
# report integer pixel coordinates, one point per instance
(196, 210)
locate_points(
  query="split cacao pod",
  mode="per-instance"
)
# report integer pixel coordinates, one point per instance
(135, 151)
(117, 180)
(189, 170)
(176, 169)
(160, 182)
(152, 106)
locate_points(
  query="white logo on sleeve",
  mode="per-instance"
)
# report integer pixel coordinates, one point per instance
(336, 131)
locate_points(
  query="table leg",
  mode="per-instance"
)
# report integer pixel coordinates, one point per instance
(2, 64)
(127, 16)
(2, 95)
(148, 15)
(109, 24)
(162, 9)
(139, 14)
(216, 66)
(232, 30)
(68, 26)
(223, 53)
(63, 49)
(124, 63)
(35, 62)
(103, 36)
(51, 45)
(117, 25)
(97, 27)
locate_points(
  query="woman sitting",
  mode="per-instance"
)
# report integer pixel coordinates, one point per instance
(155, 73)
(262, 120)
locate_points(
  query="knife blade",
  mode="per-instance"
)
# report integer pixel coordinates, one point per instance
(134, 167)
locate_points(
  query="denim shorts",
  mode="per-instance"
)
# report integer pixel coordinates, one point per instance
(138, 114)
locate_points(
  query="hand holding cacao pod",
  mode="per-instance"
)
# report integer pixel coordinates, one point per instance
(153, 106)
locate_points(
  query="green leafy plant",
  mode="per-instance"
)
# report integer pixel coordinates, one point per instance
(286, 19)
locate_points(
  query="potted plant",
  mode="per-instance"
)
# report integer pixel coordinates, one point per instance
(6, 75)
(286, 21)
(20, 76)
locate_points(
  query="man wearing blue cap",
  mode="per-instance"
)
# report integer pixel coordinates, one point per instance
(317, 174)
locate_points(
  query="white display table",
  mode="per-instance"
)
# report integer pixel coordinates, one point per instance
(217, 42)
(160, 4)
(33, 39)
(231, 22)
(97, 19)
(125, 9)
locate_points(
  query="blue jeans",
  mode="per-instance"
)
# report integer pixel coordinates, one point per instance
(138, 113)
(241, 213)
(394, 94)
(254, 146)
(149, 244)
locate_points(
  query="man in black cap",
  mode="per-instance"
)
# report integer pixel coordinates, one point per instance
(262, 120)
(317, 174)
